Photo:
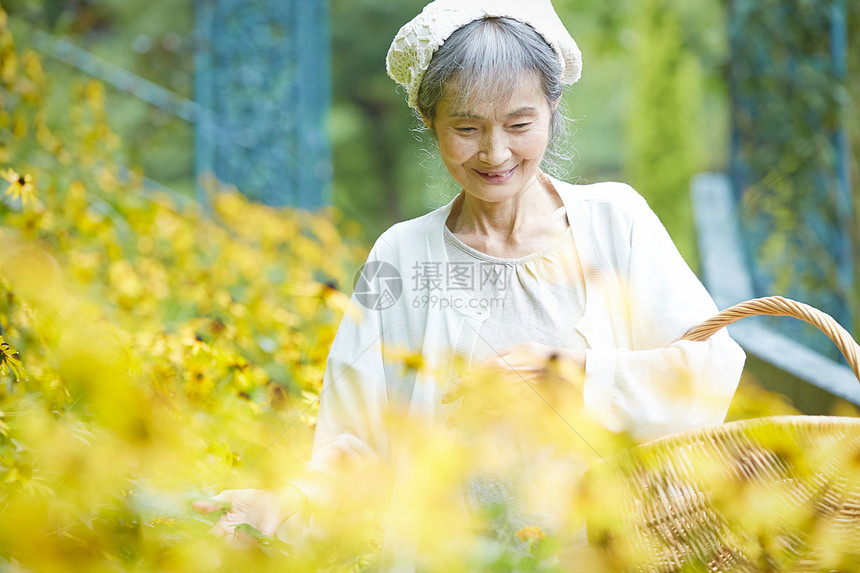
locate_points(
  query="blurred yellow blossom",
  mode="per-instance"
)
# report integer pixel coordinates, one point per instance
(20, 187)
(531, 532)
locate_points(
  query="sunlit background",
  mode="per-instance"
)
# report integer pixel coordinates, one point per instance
(167, 330)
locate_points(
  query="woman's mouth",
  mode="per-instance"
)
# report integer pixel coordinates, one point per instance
(496, 176)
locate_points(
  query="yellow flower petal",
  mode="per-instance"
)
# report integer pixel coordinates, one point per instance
(531, 532)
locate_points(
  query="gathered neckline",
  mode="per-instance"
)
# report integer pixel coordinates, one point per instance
(503, 260)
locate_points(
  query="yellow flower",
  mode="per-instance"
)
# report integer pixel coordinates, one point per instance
(531, 532)
(10, 360)
(414, 361)
(20, 186)
(409, 359)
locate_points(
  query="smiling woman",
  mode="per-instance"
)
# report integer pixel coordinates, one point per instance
(485, 62)
(590, 296)
(494, 143)
(494, 152)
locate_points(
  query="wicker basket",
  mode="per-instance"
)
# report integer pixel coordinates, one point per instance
(767, 494)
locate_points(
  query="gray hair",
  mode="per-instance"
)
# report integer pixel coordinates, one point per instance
(483, 60)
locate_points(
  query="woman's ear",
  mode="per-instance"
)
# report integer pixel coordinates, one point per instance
(554, 105)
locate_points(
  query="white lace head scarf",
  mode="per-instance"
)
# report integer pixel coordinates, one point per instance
(416, 42)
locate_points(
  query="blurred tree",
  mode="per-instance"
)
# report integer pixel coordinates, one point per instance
(151, 40)
(663, 119)
(377, 155)
(654, 83)
(851, 114)
(790, 156)
(378, 151)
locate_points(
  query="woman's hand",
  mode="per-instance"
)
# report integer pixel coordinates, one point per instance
(261, 509)
(501, 381)
(535, 363)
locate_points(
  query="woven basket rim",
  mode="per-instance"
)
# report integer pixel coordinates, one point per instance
(797, 422)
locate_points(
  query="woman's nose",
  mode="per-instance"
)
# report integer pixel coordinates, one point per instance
(494, 148)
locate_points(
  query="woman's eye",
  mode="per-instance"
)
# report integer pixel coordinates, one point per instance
(465, 129)
(521, 125)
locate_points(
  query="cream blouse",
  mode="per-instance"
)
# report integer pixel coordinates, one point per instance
(539, 297)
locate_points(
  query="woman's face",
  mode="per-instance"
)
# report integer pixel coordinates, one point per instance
(493, 150)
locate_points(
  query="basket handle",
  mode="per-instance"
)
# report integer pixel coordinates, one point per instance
(779, 306)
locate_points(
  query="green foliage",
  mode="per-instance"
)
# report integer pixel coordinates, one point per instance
(379, 179)
(382, 171)
(151, 40)
(790, 102)
(851, 116)
(663, 121)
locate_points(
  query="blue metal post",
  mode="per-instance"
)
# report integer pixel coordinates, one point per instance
(262, 82)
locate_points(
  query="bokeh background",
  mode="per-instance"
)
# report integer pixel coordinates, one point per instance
(166, 331)
(654, 108)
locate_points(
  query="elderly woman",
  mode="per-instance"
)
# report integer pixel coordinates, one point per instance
(585, 275)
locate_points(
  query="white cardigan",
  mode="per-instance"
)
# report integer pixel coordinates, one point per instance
(641, 297)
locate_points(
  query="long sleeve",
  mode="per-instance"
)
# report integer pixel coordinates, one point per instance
(651, 384)
(352, 419)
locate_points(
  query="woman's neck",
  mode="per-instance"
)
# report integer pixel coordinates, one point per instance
(518, 226)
